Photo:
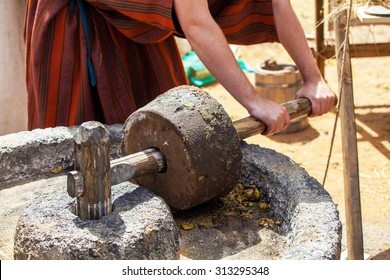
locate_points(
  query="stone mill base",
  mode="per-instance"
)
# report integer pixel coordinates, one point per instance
(140, 227)
(143, 227)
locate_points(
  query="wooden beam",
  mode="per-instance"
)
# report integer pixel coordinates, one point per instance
(319, 39)
(357, 50)
(349, 145)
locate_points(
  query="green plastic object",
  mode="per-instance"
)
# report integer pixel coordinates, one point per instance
(198, 74)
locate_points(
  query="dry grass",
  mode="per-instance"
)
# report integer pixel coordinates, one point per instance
(358, 3)
(337, 6)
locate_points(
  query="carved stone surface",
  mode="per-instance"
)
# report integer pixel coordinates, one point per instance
(141, 226)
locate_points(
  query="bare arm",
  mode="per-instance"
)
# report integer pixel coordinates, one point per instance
(211, 46)
(292, 37)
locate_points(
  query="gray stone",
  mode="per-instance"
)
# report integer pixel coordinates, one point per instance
(31, 155)
(310, 227)
(310, 219)
(141, 226)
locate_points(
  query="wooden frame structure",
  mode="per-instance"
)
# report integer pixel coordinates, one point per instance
(324, 51)
(347, 111)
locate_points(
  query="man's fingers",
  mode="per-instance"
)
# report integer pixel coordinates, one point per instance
(281, 123)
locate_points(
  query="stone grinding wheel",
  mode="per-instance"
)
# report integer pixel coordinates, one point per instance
(198, 140)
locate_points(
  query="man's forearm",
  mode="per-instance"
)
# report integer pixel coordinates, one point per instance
(210, 44)
(292, 37)
(227, 71)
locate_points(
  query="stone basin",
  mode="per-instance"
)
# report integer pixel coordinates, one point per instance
(309, 222)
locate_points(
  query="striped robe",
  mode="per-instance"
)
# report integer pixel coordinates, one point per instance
(102, 59)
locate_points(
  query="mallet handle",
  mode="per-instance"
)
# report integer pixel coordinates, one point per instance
(122, 169)
(136, 165)
(153, 161)
(251, 126)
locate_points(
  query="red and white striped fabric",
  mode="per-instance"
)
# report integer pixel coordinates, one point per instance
(130, 46)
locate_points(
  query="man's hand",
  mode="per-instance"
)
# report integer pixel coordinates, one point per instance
(321, 97)
(273, 115)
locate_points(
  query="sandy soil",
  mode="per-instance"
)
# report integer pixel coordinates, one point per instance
(310, 147)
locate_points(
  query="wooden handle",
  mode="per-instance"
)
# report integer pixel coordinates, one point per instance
(136, 165)
(153, 161)
(251, 126)
(122, 169)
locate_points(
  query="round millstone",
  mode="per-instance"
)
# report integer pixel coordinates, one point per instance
(198, 140)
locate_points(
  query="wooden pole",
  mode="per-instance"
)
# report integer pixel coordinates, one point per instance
(349, 144)
(319, 17)
(251, 126)
(90, 179)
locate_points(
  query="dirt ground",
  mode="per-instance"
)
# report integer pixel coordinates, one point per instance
(310, 147)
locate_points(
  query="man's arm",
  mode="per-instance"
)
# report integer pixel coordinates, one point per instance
(208, 41)
(292, 37)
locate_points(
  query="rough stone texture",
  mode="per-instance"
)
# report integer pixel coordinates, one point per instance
(310, 229)
(310, 226)
(141, 226)
(310, 219)
(30, 155)
(198, 139)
